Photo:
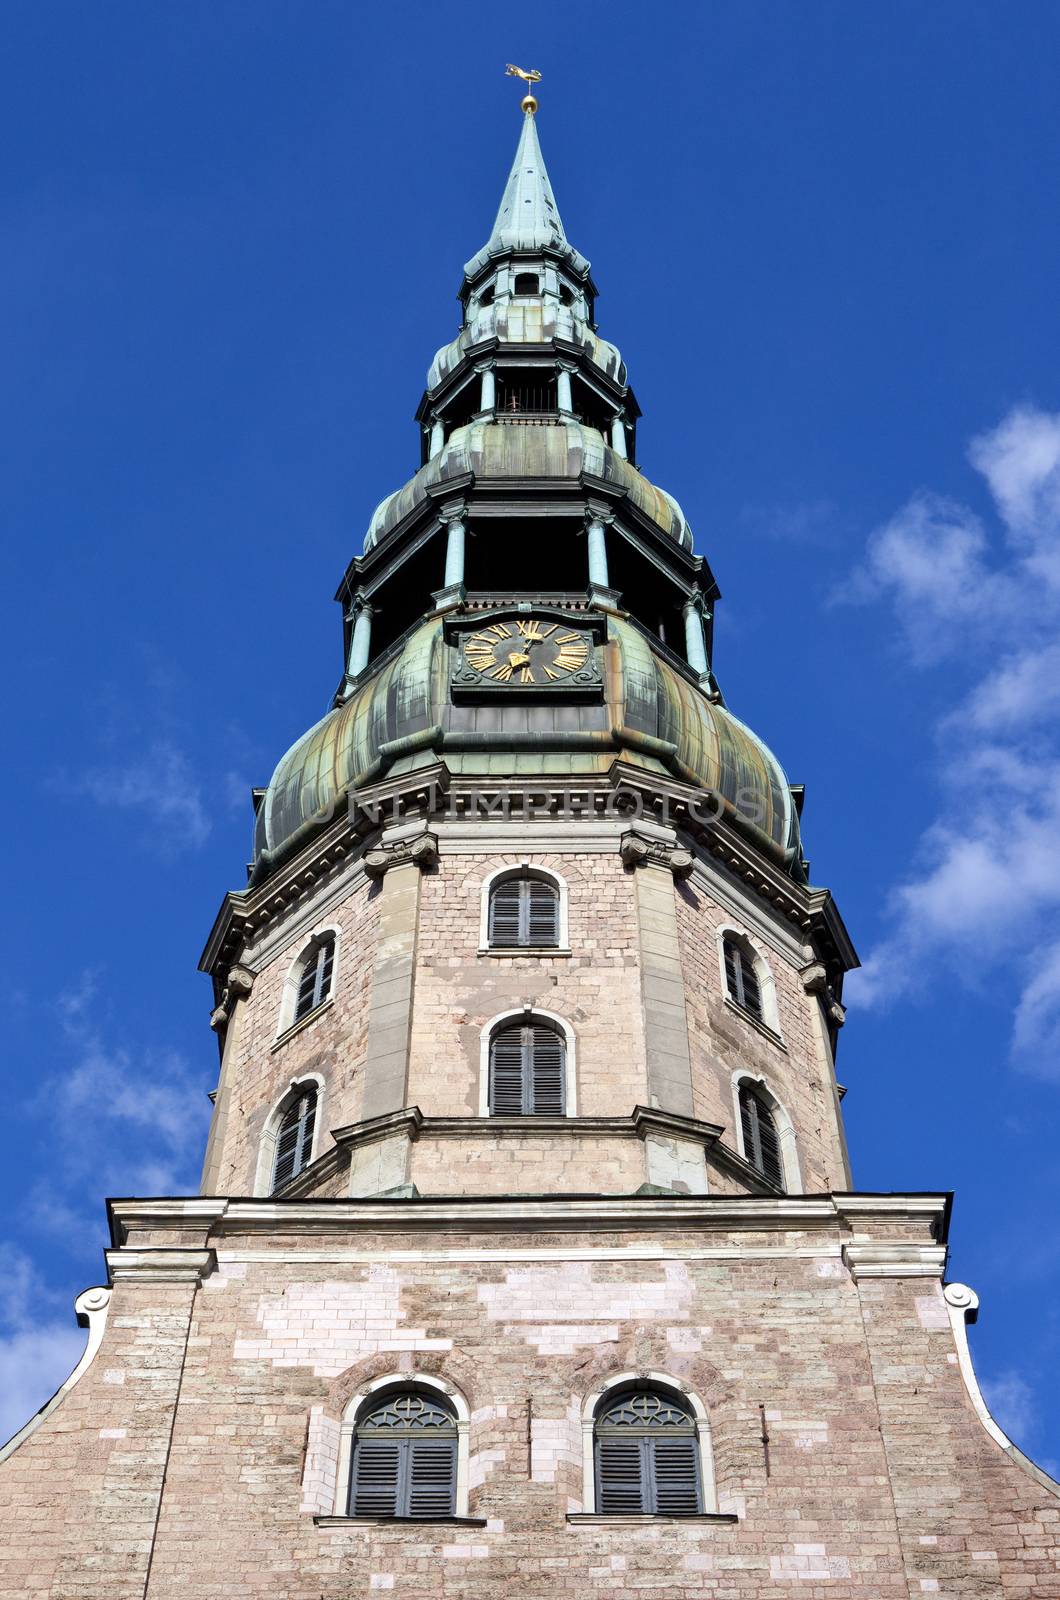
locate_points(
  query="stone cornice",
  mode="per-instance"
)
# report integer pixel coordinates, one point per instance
(160, 1264)
(901, 1260)
(520, 1214)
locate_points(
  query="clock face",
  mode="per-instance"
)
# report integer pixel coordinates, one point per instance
(527, 651)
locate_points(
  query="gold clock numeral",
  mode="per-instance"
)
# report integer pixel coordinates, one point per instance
(500, 631)
(527, 676)
(550, 674)
(502, 674)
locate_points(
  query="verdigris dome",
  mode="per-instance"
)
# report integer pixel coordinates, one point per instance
(403, 719)
(505, 450)
(535, 321)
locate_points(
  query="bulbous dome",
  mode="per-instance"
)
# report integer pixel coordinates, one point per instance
(403, 719)
(562, 449)
(534, 321)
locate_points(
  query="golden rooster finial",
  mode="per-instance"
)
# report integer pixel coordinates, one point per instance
(529, 75)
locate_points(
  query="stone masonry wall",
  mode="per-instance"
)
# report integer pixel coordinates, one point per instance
(875, 1478)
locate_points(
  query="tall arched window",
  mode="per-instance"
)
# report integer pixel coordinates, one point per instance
(294, 1137)
(314, 983)
(741, 979)
(761, 1141)
(528, 1068)
(647, 1454)
(404, 1457)
(523, 911)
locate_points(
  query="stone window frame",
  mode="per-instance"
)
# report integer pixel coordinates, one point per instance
(524, 869)
(396, 1382)
(285, 1022)
(787, 1138)
(647, 1380)
(769, 1022)
(270, 1130)
(528, 1015)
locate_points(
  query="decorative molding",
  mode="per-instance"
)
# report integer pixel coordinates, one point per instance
(598, 1519)
(392, 1522)
(90, 1309)
(421, 850)
(639, 849)
(160, 1264)
(894, 1260)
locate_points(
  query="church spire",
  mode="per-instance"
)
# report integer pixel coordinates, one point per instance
(528, 218)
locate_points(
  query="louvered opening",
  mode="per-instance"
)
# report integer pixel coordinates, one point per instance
(647, 1456)
(741, 978)
(523, 912)
(314, 986)
(761, 1141)
(294, 1138)
(404, 1460)
(527, 1072)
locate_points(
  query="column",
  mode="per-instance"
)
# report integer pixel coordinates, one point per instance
(454, 553)
(437, 437)
(618, 436)
(597, 542)
(564, 401)
(695, 639)
(361, 642)
(488, 395)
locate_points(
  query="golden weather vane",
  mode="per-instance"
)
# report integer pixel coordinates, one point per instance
(530, 76)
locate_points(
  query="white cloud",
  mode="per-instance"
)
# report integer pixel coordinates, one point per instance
(38, 1349)
(1011, 1402)
(161, 785)
(987, 874)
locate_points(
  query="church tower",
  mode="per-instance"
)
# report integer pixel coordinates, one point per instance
(527, 1256)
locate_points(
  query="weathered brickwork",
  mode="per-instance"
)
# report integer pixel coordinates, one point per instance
(331, 1044)
(842, 1438)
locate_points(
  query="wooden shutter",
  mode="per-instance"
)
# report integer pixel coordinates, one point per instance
(523, 911)
(506, 904)
(377, 1474)
(620, 1475)
(315, 983)
(506, 1072)
(675, 1475)
(547, 1071)
(542, 912)
(761, 1141)
(527, 1072)
(431, 1478)
(741, 978)
(294, 1141)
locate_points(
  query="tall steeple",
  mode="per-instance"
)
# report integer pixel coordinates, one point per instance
(528, 218)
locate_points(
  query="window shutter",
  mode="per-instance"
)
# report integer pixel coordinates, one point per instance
(741, 978)
(315, 983)
(761, 1142)
(431, 1477)
(547, 1059)
(620, 1475)
(294, 1141)
(675, 1475)
(377, 1476)
(506, 1073)
(542, 912)
(505, 913)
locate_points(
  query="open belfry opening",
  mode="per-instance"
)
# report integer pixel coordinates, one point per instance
(527, 1258)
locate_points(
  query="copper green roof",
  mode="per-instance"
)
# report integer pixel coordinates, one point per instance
(528, 218)
(403, 719)
(562, 449)
(533, 321)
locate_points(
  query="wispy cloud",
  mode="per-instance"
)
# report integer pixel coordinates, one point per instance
(1013, 1404)
(39, 1347)
(161, 785)
(986, 881)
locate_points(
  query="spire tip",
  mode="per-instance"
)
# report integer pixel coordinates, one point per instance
(530, 76)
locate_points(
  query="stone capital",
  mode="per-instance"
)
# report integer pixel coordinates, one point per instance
(419, 851)
(638, 851)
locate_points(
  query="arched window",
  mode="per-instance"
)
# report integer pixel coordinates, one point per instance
(314, 983)
(741, 979)
(761, 1141)
(294, 1137)
(528, 1068)
(523, 911)
(404, 1457)
(646, 1449)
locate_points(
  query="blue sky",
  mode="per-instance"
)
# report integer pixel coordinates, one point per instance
(826, 240)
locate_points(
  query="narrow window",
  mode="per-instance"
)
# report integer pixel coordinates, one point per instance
(486, 297)
(314, 985)
(525, 283)
(761, 1143)
(566, 296)
(527, 1069)
(294, 1138)
(523, 911)
(741, 978)
(647, 1455)
(404, 1459)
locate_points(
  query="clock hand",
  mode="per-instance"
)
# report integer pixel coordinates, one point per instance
(518, 659)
